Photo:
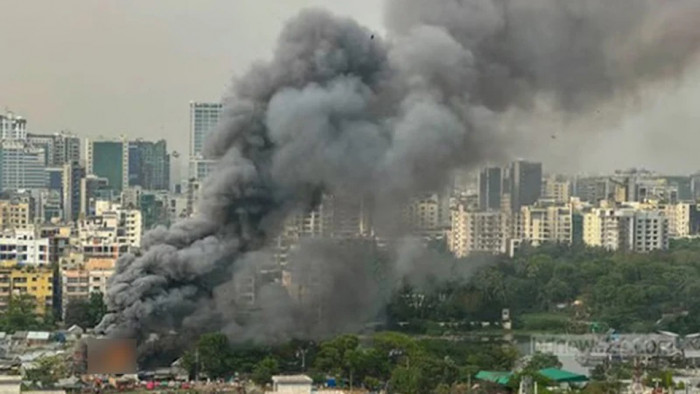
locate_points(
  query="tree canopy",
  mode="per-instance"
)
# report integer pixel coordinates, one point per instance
(566, 288)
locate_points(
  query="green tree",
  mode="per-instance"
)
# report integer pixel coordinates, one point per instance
(214, 353)
(47, 371)
(406, 380)
(77, 313)
(264, 370)
(541, 361)
(21, 315)
(96, 308)
(333, 356)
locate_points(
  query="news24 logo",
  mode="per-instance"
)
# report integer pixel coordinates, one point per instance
(111, 356)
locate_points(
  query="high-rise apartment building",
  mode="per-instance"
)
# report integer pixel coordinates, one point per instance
(149, 165)
(634, 229)
(204, 117)
(477, 231)
(16, 214)
(646, 231)
(602, 228)
(59, 148)
(22, 166)
(592, 189)
(13, 127)
(422, 215)
(73, 175)
(544, 222)
(557, 189)
(683, 219)
(54, 178)
(341, 217)
(525, 184)
(490, 188)
(346, 216)
(93, 188)
(109, 160)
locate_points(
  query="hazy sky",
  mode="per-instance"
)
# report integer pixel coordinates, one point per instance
(111, 67)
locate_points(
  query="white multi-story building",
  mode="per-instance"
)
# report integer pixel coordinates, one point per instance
(13, 127)
(545, 221)
(679, 219)
(423, 216)
(556, 189)
(647, 231)
(477, 231)
(204, 117)
(112, 225)
(635, 227)
(131, 221)
(24, 247)
(601, 228)
(80, 276)
(99, 272)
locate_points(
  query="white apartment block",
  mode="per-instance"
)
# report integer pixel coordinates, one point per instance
(15, 214)
(679, 217)
(132, 223)
(648, 231)
(13, 127)
(24, 247)
(112, 225)
(629, 228)
(422, 216)
(471, 231)
(601, 228)
(546, 221)
(80, 278)
(557, 190)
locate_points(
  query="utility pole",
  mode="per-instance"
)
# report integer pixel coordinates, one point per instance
(302, 353)
(196, 365)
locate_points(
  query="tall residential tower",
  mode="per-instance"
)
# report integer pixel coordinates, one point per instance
(204, 118)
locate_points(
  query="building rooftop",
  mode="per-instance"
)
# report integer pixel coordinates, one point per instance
(292, 379)
(38, 335)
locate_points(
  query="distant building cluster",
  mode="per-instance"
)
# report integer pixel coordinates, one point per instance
(634, 211)
(69, 208)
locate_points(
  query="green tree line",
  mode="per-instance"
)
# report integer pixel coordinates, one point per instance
(388, 359)
(629, 292)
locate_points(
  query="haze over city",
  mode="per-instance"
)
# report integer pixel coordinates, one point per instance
(130, 67)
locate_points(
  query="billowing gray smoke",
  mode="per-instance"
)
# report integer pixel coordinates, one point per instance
(341, 110)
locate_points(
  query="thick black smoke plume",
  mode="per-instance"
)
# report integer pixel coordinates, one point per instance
(341, 110)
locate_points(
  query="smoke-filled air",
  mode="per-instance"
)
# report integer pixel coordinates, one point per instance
(347, 116)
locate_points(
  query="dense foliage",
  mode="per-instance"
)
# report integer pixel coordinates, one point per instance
(85, 313)
(21, 315)
(385, 359)
(572, 288)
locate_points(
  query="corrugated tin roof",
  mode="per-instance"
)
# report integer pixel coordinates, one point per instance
(292, 379)
(560, 375)
(494, 376)
(38, 335)
(19, 335)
